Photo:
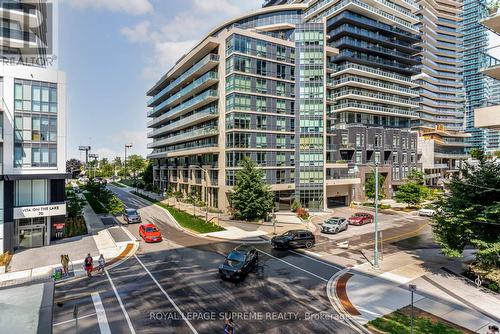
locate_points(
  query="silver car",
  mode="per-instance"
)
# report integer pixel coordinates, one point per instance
(334, 225)
(131, 216)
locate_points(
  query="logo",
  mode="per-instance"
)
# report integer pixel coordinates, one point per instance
(27, 31)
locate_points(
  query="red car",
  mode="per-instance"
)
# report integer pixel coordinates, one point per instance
(360, 218)
(150, 233)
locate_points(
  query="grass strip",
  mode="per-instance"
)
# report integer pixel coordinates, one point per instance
(184, 219)
(94, 203)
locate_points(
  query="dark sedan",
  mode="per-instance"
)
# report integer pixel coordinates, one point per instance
(294, 239)
(239, 262)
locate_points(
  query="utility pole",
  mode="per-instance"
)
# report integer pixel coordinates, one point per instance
(87, 150)
(375, 252)
(412, 288)
(94, 157)
(125, 162)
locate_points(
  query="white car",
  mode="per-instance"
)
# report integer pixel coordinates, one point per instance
(427, 212)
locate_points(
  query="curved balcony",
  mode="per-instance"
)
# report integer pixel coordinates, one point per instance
(371, 83)
(373, 109)
(198, 117)
(186, 136)
(203, 82)
(372, 96)
(207, 63)
(371, 72)
(192, 104)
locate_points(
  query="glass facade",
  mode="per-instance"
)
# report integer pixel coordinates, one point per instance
(309, 119)
(35, 124)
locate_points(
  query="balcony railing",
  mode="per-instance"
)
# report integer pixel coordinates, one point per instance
(199, 116)
(375, 108)
(189, 135)
(377, 83)
(209, 58)
(349, 65)
(374, 95)
(188, 105)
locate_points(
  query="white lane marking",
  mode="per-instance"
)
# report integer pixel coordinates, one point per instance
(132, 330)
(168, 297)
(312, 253)
(71, 320)
(311, 258)
(101, 314)
(294, 266)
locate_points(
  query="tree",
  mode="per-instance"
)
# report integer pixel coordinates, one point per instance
(73, 166)
(470, 212)
(114, 205)
(135, 164)
(370, 186)
(252, 197)
(477, 154)
(147, 174)
(178, 196)
(413, 192)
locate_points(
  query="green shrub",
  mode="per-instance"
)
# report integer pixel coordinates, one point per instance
(295, 205)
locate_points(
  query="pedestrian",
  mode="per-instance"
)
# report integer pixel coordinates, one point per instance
(492, 329)
(102, 263)
(88, 264)
(64, 263)
(229, 326)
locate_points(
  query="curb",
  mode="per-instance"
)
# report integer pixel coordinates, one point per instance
(332, 289)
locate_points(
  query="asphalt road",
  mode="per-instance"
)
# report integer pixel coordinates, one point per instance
(173, 287)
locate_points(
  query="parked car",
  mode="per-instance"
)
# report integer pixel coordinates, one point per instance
(360, 218)
(150, 233)
(239, 262)
(427, 212)
(294, 239)
(334, 225)
(131, 216)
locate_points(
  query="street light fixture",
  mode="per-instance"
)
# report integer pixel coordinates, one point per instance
(125, 162)
(206, 190)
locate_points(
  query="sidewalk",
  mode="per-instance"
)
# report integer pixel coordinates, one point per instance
(374, 293)
(39, 263)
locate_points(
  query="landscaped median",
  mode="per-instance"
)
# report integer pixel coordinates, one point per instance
(184, 219)
(94, 203)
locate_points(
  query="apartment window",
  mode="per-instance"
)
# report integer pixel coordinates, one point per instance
(412, 158)
(280, 141)
(395, 157)
(261, 103)
(261, 158)
(280, 158)
(241, 121)
(280, 106)
(238, 102)
(405, 158)
(261, 122)
(345, 139)
(260, 141)
(395, 173)
(377, 157)
(280, 123)
(261, 48)
(280, 176)
(358, 157)
(31, 192)
(261, 86)
(280, 88)
(280, 71)
(35, 96)
(261, 67)
(280, 53)
(378, 141)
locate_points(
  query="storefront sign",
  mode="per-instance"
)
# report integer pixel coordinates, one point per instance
(40, 211)
(59, 226)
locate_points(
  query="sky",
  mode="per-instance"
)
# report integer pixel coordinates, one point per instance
(113, 51)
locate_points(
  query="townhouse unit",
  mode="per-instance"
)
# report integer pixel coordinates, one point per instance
(33, 131)
(316, 94)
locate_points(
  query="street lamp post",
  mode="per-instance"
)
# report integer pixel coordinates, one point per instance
(125, 162)
(375, 252)
(206, 190)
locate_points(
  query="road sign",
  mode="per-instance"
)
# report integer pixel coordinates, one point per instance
(84, 148)
(412, 287)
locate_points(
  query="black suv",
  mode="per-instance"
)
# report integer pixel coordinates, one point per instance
(239, 262)
(294, 239)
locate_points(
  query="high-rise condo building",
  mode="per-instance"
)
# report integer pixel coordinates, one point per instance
(32, 128)
(316, 93)
(441, 95)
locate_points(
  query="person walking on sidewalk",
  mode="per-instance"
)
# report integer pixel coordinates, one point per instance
(102, 263)
(492, 329)
(88, 264)
(65, 263)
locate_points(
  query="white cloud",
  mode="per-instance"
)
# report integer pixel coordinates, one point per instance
(169, 41)
(134, 7)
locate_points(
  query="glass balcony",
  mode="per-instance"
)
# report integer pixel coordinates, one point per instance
(17, 34)
(371, 47)
(372, 94)
(211, 58)
(195, 102)
(377, 83)
(390, 75)
(195, 118)
(377, 61)
(491, 66)
(192, 88)
(373, 108)
(189, 135)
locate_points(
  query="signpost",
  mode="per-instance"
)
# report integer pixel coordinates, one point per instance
(412, 288)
